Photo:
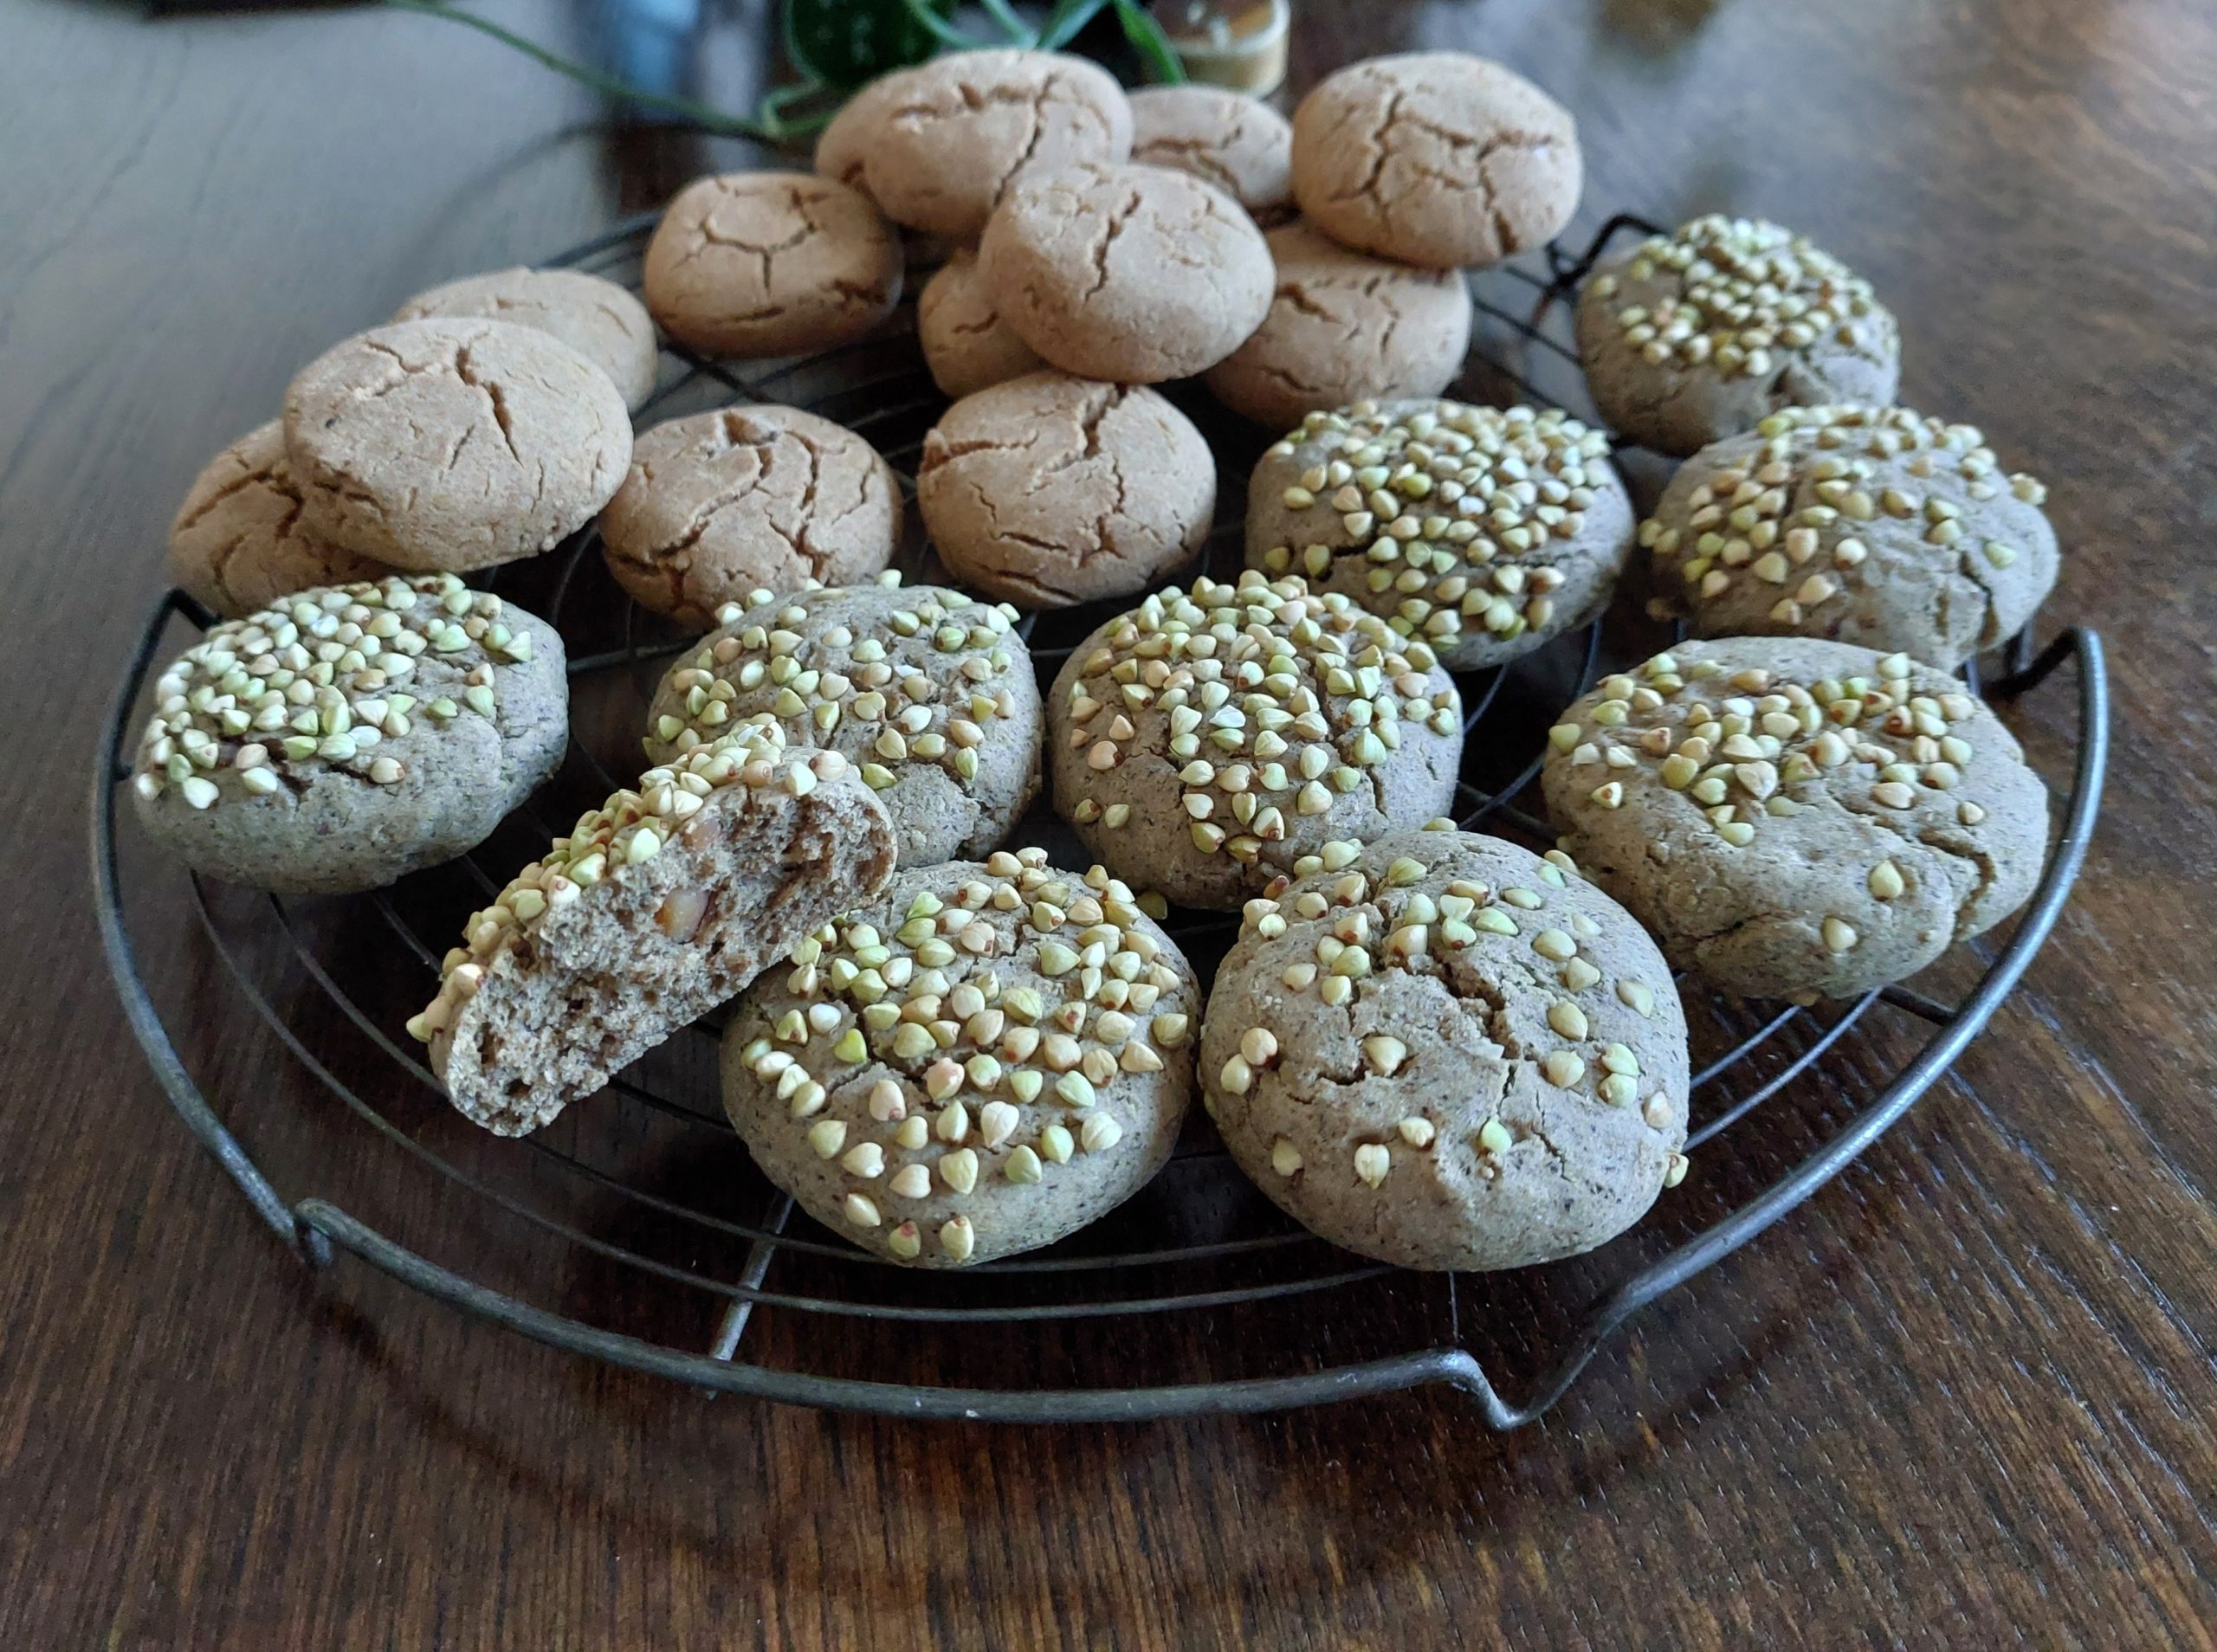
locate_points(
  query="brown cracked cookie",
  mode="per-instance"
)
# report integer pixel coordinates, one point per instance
(982, 1059)
(1213, 740)
(1221, 137)
(657, 906)
(453, 443)
(1342, 327)
(236, 543)
(345, 737)
(598, 318)
(966, 344)
(1486, 531)
(1449, 1053)
(1873, 525)
(930, 692)
(1130, 273)
(938, 146)
(1437, 158)
(1700, 334)
(1794, 817)
(770, 264)
(1048, 491)
(720, 504)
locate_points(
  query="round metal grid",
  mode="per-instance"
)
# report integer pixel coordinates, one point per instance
(645, 1190)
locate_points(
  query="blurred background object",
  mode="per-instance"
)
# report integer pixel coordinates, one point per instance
(1239, 43)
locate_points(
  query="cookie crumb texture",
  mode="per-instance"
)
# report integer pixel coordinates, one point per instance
(237, 545)
(445, 445)
(1435, 159)
(966, 344)
(937, 146)
(1048, 491)
(596, 318)
(752, 264)
(929, 692)
(344, 737)
(1449, 1053)
(985, 1059)
(718, 504)
(1700, 334)
(1486, 531)
(659, 905)
(1131, 274)
(1243, 146)
(1214, 739)
(1873, 526)
(1792, 816)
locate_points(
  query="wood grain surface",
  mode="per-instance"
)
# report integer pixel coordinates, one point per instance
(1964, 1399)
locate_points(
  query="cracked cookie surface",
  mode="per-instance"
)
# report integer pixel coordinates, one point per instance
(1221, 137)
(1437, 158)
(1444, 1051)
(237, 543)
(598, 318)
(448, 444)
(966, 344)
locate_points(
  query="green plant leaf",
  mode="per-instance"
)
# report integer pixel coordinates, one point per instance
(1157, 57)
(844, 43)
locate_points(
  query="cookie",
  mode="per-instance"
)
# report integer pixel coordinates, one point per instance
(1449, 1054)
(1871, 526)
(1130, 273)
(966, 344)
(1221, 137)
(236, 543)
(718, 504)
(1435, 159)
(1213, 740)
(1048, 491)
(1342, 327)
(1700, 334)
(929, 692)
(1794, 817)
(770, 264)
(982, 1059)
(936, 146)
(448, 444)
(1486, 531)
(345, 737)
(658, 905)
(598, 318)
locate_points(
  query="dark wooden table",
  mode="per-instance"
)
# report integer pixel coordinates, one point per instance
(1965, 1399)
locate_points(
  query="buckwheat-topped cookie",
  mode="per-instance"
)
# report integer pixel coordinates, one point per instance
(979, 1061)
(1485, 531)
(657, 908)
(1794, 817)
(930, 692)
(1873, 526)
(1697, 335)
(1214, 739)
(598, 318)
(344, 737)
(237, 545)
(1241, 145)
(1448, 1053)
(966, 344)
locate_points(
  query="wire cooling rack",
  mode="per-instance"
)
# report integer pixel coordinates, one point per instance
(635, 1229)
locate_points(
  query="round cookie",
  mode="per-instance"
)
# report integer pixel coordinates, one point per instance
(966, 344)
(1449, 1054)
(1437, 158)
(770, 264)
(1213, 740)
(929, 692)
(938, 146)
(345, 737)
(1344, 327)
(598, 318)
(1048, 491)
(236, 543)
(453, 443)
(720, 503)
(1486, 531)
(1699, 334)
(1243, 146)
(1794, 817)
(1131, 274)
(1865, 524)
(984, 1058)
